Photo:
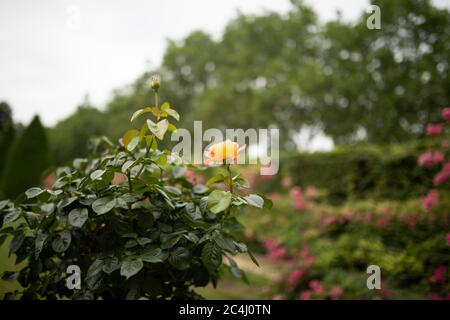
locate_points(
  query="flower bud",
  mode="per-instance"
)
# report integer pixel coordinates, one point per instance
(155, 82)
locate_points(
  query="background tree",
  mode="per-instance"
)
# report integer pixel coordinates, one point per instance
(68, 139)
(27, 160)
(293, 71)
(6, 133)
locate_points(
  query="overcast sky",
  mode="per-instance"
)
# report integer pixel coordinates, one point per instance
(53, 52)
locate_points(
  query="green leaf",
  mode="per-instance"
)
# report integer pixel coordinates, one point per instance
(235, 270)
(62, 241)
(133, 143)
(211, 257)
(153, 255)
(139, 113)
(170, 241)
(77, 217)
(33, 192)
(225, 243)
(95, 268)
(130, 267)
(12, 216)
(39, 243)
(16, 243)
(252, 257)
(103, 205)
(193, 211)
(254, 200)
(111, 264)
(55, 193)
(173, 190)
(48, 208)
(127, 165)
(97, 174)
(94, 274)
(180, 258)
(217, 178)
(219, 201)
(158, 129)
(128, 136)
(200, 189)
(241, 247)
(162, 159)
(268, 204)
(3, 204)
(172, 128)
(143, 241)
(66, 201)
(165, 106)
(173, 114)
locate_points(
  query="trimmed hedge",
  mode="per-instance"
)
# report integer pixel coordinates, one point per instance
(360, 172)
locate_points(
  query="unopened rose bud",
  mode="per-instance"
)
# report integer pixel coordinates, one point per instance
(155, 82)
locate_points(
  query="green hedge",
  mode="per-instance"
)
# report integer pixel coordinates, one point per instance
(361, 172)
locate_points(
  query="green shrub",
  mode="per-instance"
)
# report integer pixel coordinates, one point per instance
(154, 235)
(361, 172)
(27, 159)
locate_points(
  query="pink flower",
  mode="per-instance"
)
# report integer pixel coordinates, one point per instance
(295, 276)
(438, 157)
(446, 113)
(274, 251)
(297, 198)
(305, 295)
(442, 175)
(311, 193)
(430, 158)
(193, 178)
(439, 275)
(286, 182)
(316, 286)
(336, 292)
(431, 200)
(434, 129)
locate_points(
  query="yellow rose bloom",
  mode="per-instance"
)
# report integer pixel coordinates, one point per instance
(223, 152)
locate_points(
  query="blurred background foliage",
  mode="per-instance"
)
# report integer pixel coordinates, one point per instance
(371, 91)
(292, 71)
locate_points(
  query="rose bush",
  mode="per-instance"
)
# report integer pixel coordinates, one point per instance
(130, 219)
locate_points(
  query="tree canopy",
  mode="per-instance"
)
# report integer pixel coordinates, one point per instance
(294, 71)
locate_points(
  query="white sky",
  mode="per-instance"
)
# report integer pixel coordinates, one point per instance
(53, 52)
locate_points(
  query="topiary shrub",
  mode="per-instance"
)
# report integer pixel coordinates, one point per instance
(129, 220)
(27, 160)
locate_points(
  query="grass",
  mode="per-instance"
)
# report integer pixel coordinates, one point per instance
(7, 264)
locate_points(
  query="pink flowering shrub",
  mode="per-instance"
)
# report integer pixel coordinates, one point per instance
(297, 198)
(274, 251)
(434, 158)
